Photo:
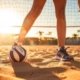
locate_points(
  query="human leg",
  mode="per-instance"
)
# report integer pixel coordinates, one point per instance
(30, 19)
(61, 29)
(61, 21)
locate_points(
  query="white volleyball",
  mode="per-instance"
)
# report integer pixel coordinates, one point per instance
(17, 54)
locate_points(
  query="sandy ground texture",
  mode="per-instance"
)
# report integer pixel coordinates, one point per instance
(40, 64)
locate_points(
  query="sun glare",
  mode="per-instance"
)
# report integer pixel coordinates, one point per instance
(8, 18)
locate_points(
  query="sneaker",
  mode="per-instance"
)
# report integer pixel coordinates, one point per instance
(63, 55)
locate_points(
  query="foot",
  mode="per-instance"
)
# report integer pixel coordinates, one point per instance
(63, 55)
(15, 45)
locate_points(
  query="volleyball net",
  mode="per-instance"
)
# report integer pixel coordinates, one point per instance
(47, 17)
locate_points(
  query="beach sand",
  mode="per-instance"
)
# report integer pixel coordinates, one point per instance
(40, 64)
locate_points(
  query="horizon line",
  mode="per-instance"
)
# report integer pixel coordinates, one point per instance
(50, 26)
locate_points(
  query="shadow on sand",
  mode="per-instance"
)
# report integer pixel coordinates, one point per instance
(28, 72)
(73, 64)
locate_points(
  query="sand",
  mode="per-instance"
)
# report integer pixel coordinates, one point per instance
(40, 64)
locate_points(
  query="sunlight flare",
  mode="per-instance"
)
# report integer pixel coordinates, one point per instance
(8, 19)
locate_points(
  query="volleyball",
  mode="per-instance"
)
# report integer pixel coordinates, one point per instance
(17, 54)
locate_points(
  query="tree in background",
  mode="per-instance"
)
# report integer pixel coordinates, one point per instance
(75, 36)
(40, 36)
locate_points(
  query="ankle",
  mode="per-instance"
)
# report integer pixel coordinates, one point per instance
(61, 47)
(17, 43)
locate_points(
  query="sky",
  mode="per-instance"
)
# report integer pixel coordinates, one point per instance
(13, 12)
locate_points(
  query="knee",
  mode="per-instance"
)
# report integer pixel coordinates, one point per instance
(36, 12)
(37, 8)
(60, 14)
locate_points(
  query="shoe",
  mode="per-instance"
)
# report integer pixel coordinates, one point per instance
(63, 55)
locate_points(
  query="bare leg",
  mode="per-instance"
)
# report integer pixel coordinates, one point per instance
(30, 19)
(79, 4)
(61, 21)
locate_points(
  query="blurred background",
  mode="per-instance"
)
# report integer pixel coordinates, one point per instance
(43, 32)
